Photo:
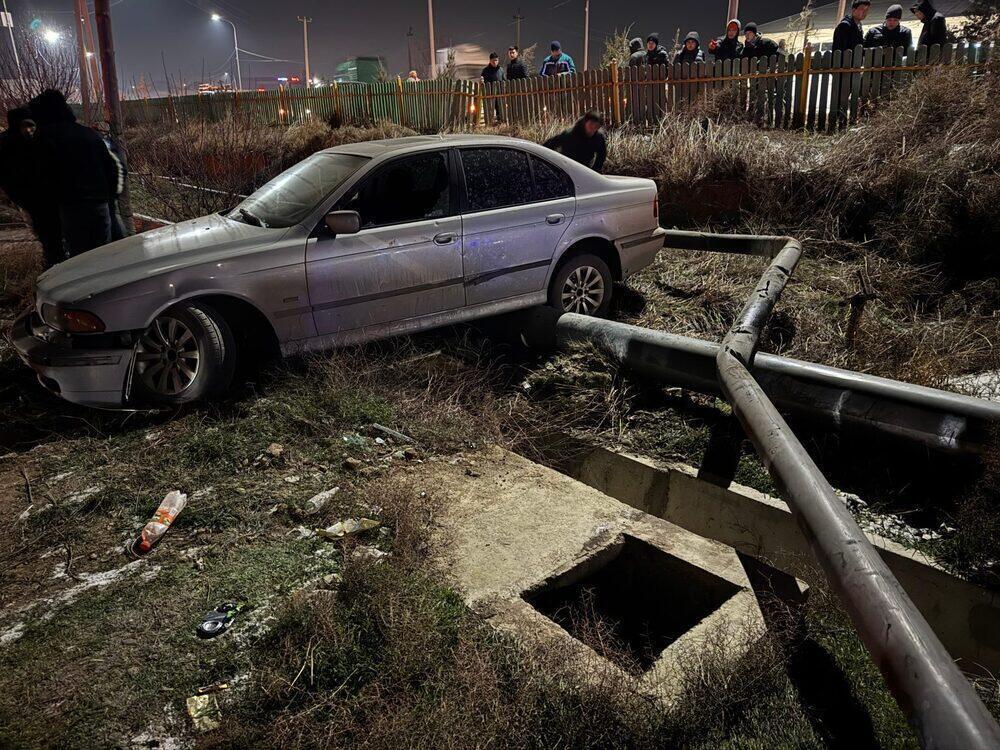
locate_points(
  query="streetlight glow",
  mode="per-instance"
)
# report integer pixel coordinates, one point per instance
(216, 17)
(51, 36)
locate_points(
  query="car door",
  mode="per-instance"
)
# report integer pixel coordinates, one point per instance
(404, 263)
(516, 208)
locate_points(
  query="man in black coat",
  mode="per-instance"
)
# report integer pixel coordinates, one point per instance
(849, 33)
(493, 73)
(935, 30)
(755, 45)
(637, 55)
(515, 68)
(78, 172)
(20, 178)
(691, 51)
(892, 33)
(727, 47)
(656, 53)
(584, 142)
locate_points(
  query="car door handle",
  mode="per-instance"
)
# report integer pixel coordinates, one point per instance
(445, 238)
(555, 218)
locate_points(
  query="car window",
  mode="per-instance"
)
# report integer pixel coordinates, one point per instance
(496, 177)
(414, 188)
(295, 193)
(550, 182)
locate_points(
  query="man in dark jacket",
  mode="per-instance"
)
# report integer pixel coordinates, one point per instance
(493, 73)
(20, 178)
(584, 142)
(691, 51)
(557, 63)
(637, 55)
(891, 33)
(727, 47)
(656, 53)
(935, 30)
(78, 172)
(755, 45)
(849, 33)
(515, 68)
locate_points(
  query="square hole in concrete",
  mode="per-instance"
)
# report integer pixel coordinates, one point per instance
(630, 601)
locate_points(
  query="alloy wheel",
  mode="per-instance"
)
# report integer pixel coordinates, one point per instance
(167, 357)
(583, 291)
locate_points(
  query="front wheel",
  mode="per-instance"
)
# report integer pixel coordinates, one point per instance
(187, 353)
(582, 285)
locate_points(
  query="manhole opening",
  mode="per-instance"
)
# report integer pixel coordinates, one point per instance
(631, 601)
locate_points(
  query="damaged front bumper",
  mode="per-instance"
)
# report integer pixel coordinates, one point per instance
(92, 372)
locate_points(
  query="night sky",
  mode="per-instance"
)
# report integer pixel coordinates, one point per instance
(184, 32)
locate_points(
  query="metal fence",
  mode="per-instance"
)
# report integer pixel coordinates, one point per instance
(822, 91)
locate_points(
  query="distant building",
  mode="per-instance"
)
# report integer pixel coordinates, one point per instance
(824, 19)
(359, 70)
(470, 59)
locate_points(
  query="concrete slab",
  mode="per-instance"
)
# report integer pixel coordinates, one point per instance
(513, 531)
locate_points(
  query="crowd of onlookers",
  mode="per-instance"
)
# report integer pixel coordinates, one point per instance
(66, 177)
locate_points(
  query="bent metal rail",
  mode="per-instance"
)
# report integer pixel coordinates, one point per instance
(822, 91)
(939, 701)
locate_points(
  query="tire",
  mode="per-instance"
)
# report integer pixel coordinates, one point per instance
(187, 353)
(582, 285)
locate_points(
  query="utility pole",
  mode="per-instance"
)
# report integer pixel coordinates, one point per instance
(586, 34)
(81, 49)
(734, 11)
(517, 26)
(112, 101)
(409, 50)
(430, 24)
(841, 10)
(8, 21)
(305, 43)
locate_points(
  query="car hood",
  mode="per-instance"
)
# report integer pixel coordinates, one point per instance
(149, 254)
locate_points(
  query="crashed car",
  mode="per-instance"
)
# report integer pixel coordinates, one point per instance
(354, 243)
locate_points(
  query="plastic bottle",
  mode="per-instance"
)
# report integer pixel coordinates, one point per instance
(157, 526)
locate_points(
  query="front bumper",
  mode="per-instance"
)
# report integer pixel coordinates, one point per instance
(638, 251)
(90, 377)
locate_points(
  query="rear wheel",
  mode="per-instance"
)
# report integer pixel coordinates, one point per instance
(187, 353)
(582, 285)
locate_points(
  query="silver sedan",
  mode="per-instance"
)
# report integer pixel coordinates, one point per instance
(354, 243)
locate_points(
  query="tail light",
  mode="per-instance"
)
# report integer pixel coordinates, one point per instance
(656, 208)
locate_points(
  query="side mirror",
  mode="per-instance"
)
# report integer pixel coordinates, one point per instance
(343, 222)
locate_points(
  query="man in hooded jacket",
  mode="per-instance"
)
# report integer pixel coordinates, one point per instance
(727, 47)
(755, 45)
(891, 33)
(935, 30)
(656, 53)
(584, 142)
(20, 178)
(691, 50)
(78, 172)
(849, 33)
(637, 55)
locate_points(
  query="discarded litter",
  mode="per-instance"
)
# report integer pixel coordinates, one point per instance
(365, 552)
(317, 502)
(157, 526)
(218, 621)
(347, 527)
(395, 435)
(215, 687)
(204, 712)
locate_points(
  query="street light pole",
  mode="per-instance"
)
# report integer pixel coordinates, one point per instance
(9, 22)
(430, 24)
(734, 10)
(112, 101)
(517, 26)
(236, 47)
(81, 49)
(305, 42)
(586, 34)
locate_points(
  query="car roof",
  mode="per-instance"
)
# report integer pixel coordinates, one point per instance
(387, 146)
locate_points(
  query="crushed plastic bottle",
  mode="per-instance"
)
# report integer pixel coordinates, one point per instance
(157, 526)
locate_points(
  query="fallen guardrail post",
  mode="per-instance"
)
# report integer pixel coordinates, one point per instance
(937, 698)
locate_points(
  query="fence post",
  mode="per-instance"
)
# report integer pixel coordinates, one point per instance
(399, 96)
(616, 99)
(804, 82)
(480, 104)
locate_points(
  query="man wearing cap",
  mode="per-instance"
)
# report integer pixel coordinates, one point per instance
(557, 63)
(849, 33)
(727, 47)
(656, 53)
(892, 33)
(584, 142)
(935, 29)
(754, 45)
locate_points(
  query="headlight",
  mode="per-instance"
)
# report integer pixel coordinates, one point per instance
(71, 321)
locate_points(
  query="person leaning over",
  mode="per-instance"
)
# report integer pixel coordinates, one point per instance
(584, 142)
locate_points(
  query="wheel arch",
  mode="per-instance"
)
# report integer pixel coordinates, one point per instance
(602, 247)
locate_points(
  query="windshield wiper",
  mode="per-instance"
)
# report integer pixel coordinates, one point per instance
(249, 218)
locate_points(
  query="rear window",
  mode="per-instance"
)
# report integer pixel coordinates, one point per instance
(550, 182)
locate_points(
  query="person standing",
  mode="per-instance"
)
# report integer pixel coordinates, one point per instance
(118, 230)
(412, 77)
(21, 180)
(849, 33)
(557, 63)
(727, 47)
(755, 45)
(493, 73)
(636, 54)
(656, 53)
(935, 30)
(891, 33)
(77, 171)
(515, 67)
(691, 51)
(584, 142)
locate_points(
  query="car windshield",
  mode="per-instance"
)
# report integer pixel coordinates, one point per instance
(294, 194)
